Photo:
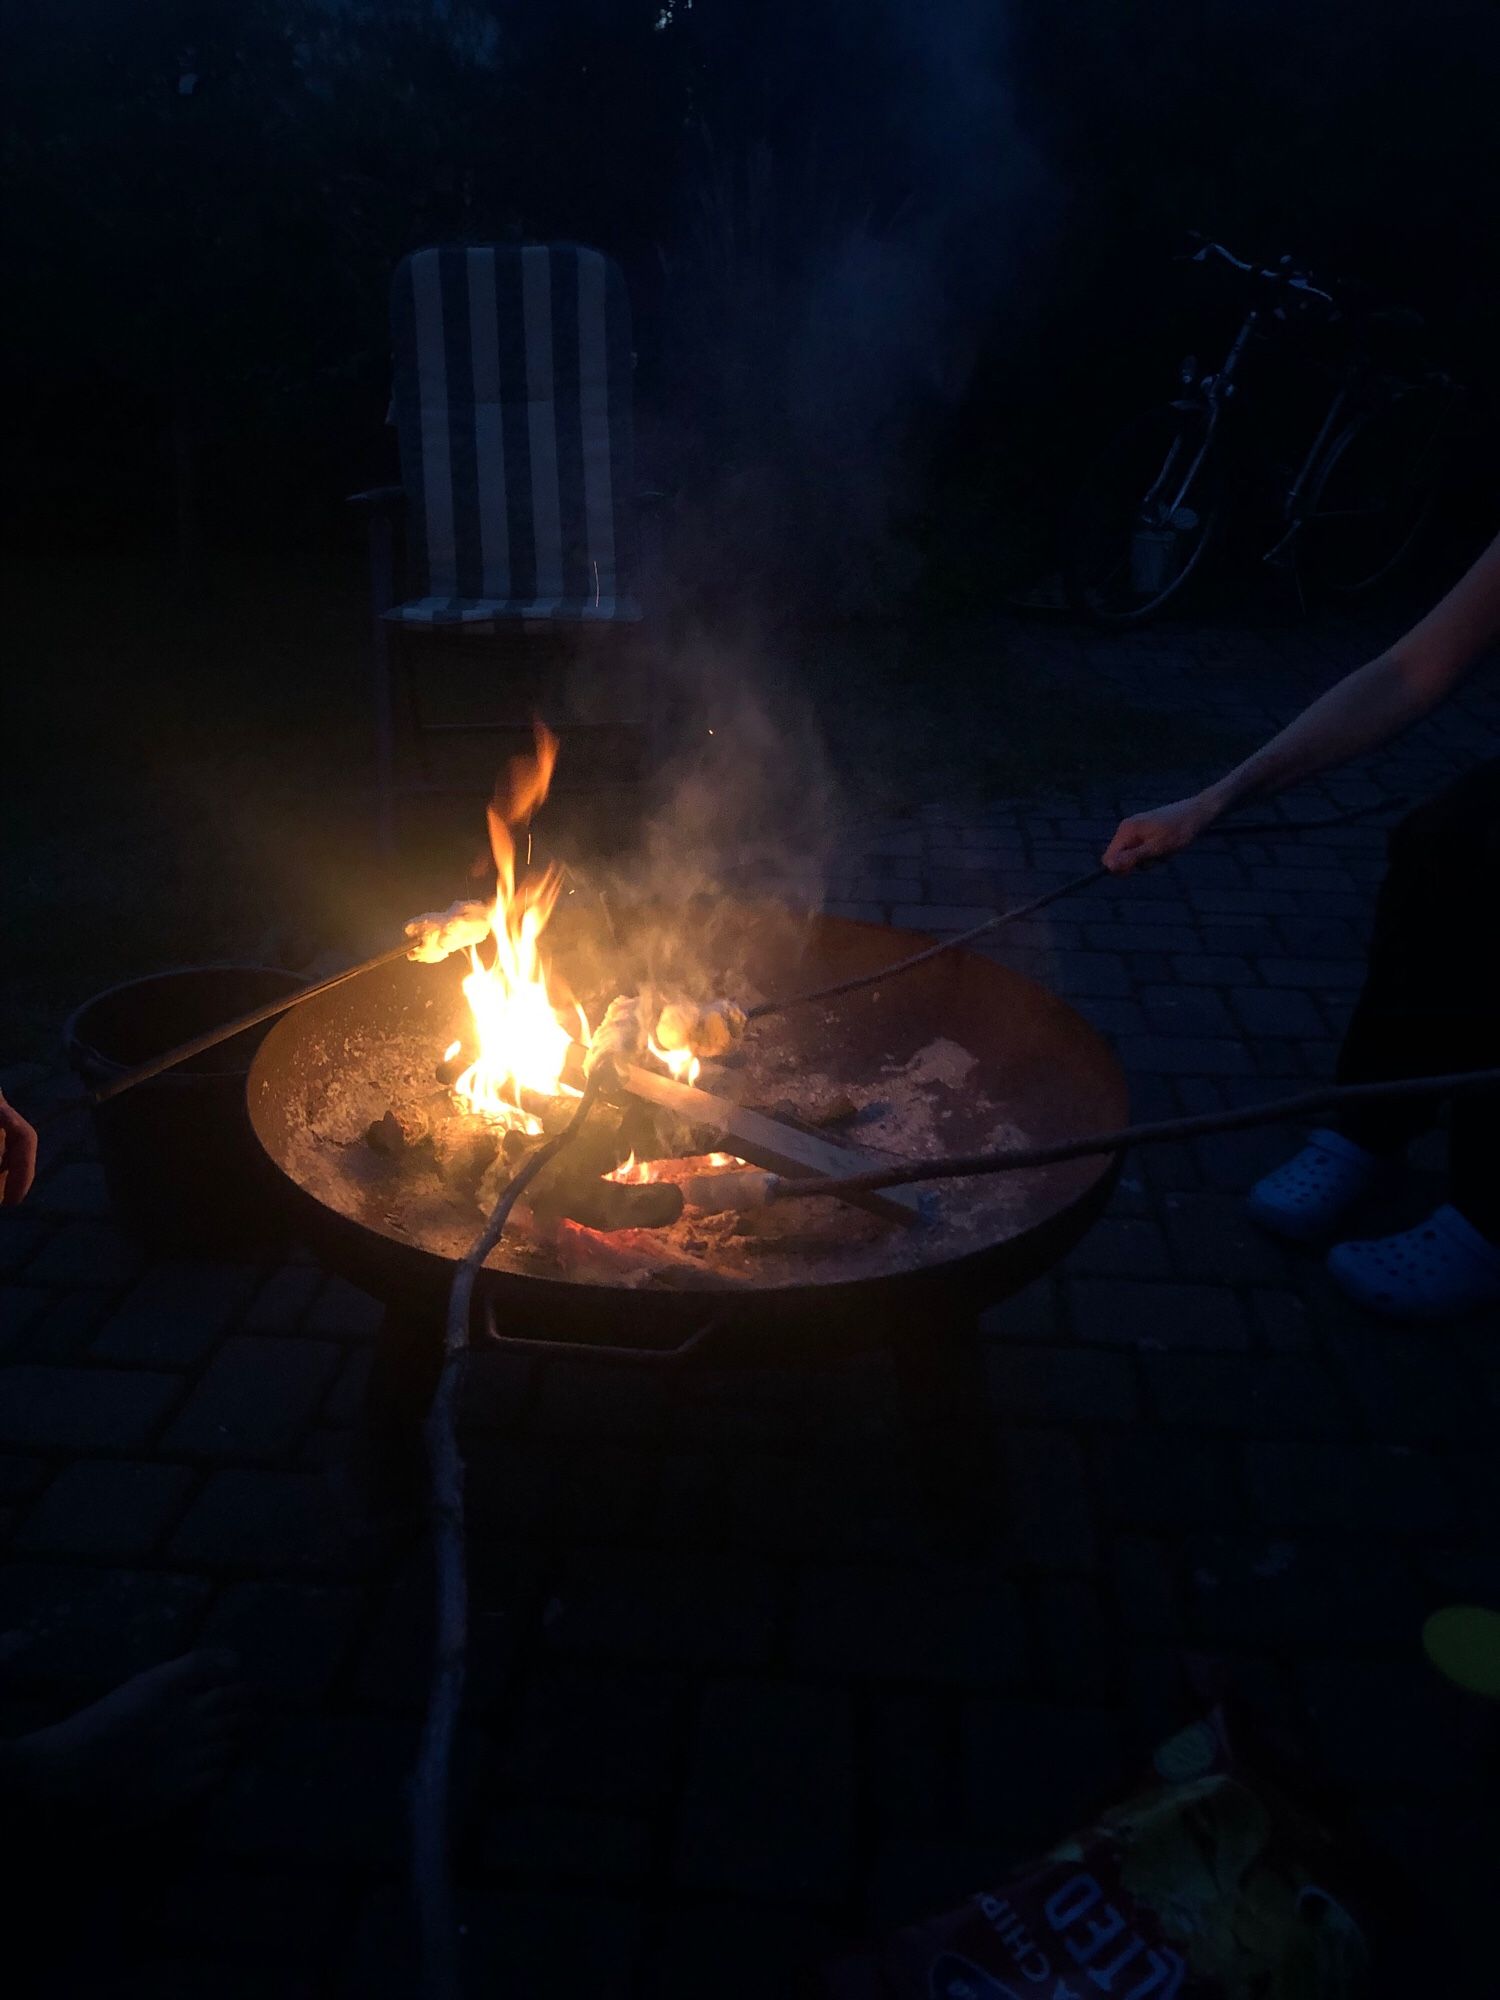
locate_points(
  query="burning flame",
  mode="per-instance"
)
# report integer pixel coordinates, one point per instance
(680, 1064)
(523, 1037)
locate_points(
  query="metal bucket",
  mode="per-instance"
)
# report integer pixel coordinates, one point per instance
(185, 1172)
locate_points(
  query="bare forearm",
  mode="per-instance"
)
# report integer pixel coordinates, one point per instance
(1366, 708)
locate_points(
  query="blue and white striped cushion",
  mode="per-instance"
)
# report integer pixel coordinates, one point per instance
(512, 394)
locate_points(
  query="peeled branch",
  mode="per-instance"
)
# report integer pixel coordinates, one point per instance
(439, 933)
(705, 1029)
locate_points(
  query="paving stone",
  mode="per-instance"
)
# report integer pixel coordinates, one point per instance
(1264, 1592)
(1130, 937)
(1212, 1237)
(1098, 974)
(1121, 1247)
(1269, 1395)
(175, 1315)
(82, 1409)
(1208, 968)
(1338, 1484)
(260, 1520)
(64, 1331)
(290, 1639)
(75, 1189)
(106, 1508)
(1266, 1010)
(1048, 1506)
(254, 1398)
(1030, 1314)
(1410, 1391)
(603, 1738)
(84, 1253)
(939, 1623)
(1186, 1010)
(1168, 1479)
(1033, 1769)
(1341, 976)
(837, 1504)
(345, 1312)
(395, 1669)
(19, 1306)
(1143, 1314)
(322, 1790)
(940, 916)
(69, 1623)
(1062, 1384)
(281, 1302)
(650, 1605)
(1193, 1055)
(569, 1847)
(596, 1400)
(768, 1807)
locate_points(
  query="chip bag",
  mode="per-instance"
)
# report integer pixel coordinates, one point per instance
(1203, 1886)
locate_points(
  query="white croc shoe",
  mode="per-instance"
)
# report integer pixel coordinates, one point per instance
(1311, 1195)
(1442, 1269)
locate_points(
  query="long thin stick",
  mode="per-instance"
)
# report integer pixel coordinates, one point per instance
(966, 1166)
(211, 1037)
(431, 1876)
(1010, 916)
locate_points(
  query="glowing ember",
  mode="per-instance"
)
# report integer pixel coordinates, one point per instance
(523, 1035)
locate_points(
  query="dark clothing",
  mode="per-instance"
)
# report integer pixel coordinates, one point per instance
(1431, 998)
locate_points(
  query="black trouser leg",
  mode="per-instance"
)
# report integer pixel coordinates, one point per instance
(1431, 998)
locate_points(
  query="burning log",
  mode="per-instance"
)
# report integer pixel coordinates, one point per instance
(583, 1253)
(767, 1142)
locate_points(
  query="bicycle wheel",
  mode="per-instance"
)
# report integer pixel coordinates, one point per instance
(1375, 492)
(1143, 517)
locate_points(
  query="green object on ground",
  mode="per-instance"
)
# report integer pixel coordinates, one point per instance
(1463, 1643)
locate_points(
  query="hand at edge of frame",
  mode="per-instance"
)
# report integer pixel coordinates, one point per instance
(17, 1156)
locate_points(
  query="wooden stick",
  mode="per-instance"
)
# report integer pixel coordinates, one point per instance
(784, 1149)
(430, 1805)
(966, 1166)
(211, 1037)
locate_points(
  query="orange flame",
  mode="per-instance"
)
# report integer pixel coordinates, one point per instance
(523, 1037)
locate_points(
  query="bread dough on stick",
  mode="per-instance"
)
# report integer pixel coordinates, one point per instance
(439, 933)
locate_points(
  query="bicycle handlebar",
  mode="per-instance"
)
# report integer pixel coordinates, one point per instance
(1284, 276)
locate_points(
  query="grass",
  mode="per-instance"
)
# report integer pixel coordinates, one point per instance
(189, 784)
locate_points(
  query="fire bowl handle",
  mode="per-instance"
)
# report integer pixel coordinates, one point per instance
(598, 1350)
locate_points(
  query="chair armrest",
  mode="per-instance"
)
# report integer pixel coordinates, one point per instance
(379, 499)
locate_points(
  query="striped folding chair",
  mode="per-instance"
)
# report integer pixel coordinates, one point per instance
(512, 406)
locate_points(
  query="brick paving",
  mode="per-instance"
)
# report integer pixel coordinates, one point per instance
(730, 1703)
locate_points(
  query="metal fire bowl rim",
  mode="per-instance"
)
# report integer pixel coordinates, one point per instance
(394, 1268)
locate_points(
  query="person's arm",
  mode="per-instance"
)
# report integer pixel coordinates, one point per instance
(1365, 709)
(17, 1156)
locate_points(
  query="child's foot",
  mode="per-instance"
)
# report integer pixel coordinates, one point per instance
(1310, 1196)
(155, 1744)
(1442, 1269)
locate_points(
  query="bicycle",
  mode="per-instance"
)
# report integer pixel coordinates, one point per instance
(1153, 504)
